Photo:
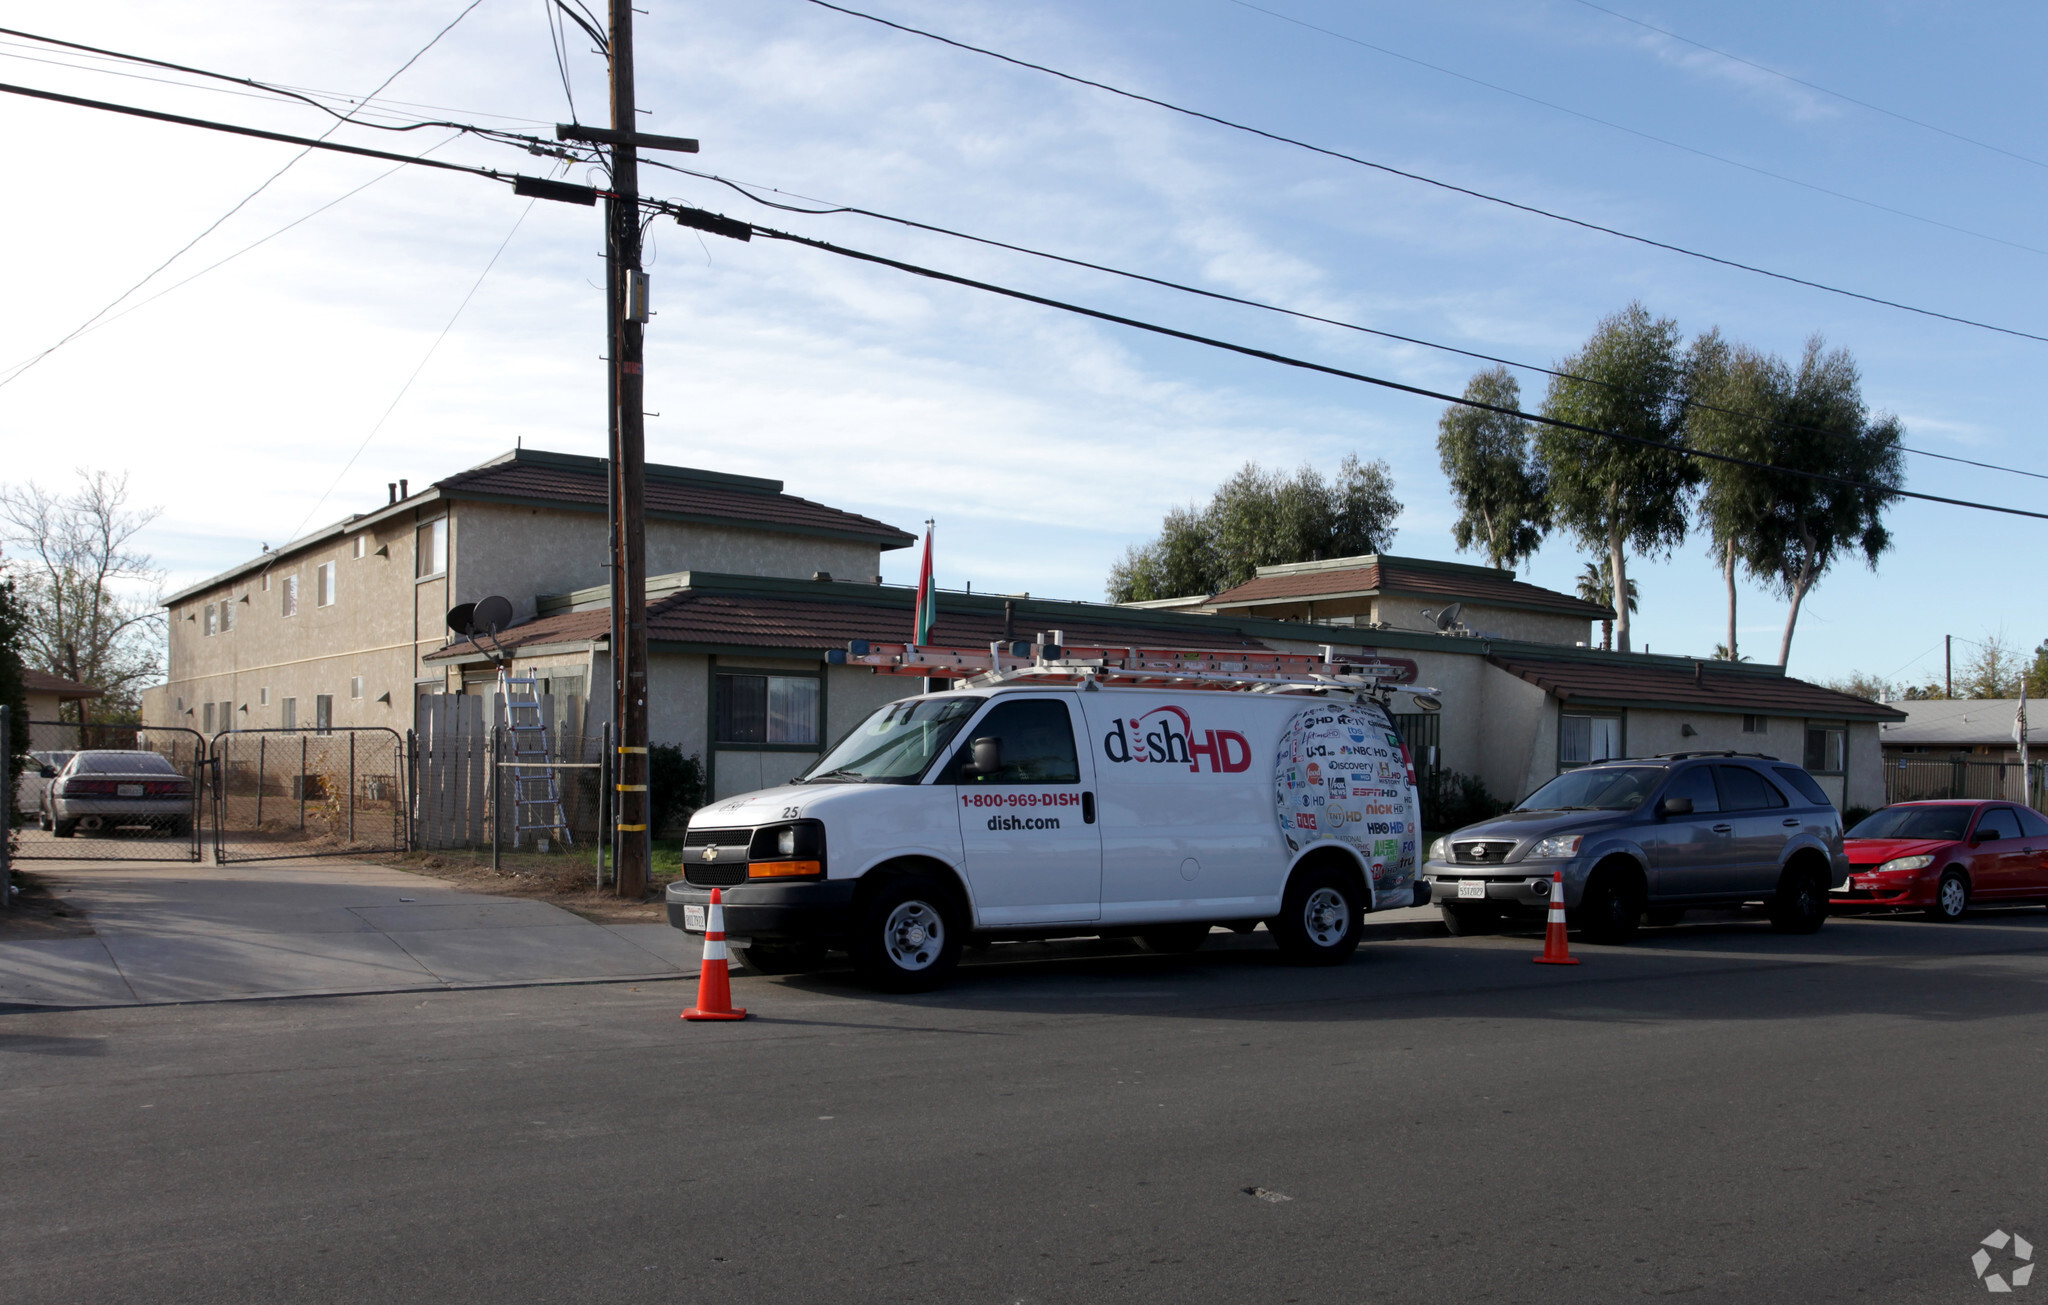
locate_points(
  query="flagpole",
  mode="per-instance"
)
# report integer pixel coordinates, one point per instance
(926, 609)
(2019, 730)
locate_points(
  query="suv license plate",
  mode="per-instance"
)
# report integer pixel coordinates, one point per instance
(693, 918)
(128, 790)
(1472, 888)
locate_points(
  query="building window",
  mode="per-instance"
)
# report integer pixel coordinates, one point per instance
(1584, 739)
(323, 585)
(323, 713)
(211, 622)
(1825, 748)
(767, 709)
(206, 717)
(263, 582)
(1756, 724)
(263, 696)
(227, 715)
(291, 595)
(432, 550)
(355, 686)
(288, 713)
(227, 614)
(362, 545)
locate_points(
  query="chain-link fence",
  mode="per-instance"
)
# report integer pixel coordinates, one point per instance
(111, 793)
(517, 799)
(1914, 779)
(296, 793)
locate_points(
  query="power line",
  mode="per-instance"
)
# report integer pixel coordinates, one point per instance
(1432, 181)
(239, 204)
(1275, 308)
(704, 220)
(1815, 86)
(1637, 132)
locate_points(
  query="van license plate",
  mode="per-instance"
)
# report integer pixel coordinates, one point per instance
(1472, 888)
(693, 918)
(128, 790)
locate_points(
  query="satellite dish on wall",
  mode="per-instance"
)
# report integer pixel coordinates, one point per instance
(459, 618)
(491, 615)
(1448, 617)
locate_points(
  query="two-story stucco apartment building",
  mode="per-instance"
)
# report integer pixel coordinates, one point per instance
(333, 629)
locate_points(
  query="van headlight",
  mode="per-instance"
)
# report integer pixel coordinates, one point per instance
(1557, 847)
(789, 851)
(1906, 863)
(1440, 850)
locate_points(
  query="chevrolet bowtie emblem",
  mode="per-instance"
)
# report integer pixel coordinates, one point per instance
(710, 854)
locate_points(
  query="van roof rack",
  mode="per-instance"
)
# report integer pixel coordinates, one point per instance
(1048, 660)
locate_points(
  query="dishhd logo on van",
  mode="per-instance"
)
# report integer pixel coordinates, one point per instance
(1166, 735)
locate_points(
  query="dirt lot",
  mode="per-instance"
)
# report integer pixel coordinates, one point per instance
(38, 915)
(563, 881)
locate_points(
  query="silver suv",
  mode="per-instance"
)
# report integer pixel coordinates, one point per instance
(1647, 838)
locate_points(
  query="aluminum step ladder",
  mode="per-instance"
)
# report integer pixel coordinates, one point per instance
(536, 788)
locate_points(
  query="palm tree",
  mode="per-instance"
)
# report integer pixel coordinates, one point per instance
(1596, 585)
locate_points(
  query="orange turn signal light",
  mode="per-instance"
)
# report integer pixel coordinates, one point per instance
(785, 870)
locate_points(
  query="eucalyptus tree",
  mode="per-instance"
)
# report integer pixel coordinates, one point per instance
(1738, 402)
(1496, 483)
(1619, 495)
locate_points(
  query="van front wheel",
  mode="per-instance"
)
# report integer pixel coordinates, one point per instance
(1319, 917)
(907, 937)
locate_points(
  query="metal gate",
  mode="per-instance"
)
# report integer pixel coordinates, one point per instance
(299, 793)
(136, 795)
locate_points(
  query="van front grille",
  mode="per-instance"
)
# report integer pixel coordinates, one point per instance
(727, 863)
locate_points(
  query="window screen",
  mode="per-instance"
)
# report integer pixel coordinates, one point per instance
(1038, 743)
(432, 548)
(323, 594)
(767, 709)
(288, 713)
(212, 619)
(1583, 739)
(206, 717)
(227, 614)
(323, 713)
(1824, 749)
(290, 603)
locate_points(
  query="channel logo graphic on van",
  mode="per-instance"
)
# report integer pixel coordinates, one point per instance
(1167, 735)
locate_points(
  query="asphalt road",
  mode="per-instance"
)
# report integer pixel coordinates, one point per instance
(1716, 1113)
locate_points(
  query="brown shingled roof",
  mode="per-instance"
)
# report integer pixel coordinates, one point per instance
(815, 624)
(1392, 575)
(1623, 680)
(43, 682)
(581, 482)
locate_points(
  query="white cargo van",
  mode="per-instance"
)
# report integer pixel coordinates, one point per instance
(1072, 792)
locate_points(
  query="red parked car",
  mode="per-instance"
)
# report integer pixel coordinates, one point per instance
(1939, 857)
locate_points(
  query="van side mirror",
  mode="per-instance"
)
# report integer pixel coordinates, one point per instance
(1675, 807)
(987, 759)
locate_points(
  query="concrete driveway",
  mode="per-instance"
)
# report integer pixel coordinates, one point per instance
(185, 933)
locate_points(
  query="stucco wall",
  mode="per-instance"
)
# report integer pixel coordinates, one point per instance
(522, 552)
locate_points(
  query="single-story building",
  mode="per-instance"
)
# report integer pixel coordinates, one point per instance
(1964, 747)
(738, 677)
(48, 693)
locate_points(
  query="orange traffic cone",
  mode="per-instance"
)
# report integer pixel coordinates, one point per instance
(1555, 952)
(714, 980)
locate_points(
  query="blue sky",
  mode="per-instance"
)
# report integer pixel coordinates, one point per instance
(1045, 444)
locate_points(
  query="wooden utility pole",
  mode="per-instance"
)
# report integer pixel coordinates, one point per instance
(626, 298)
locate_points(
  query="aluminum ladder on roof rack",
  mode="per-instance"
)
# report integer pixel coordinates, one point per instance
(536, 788)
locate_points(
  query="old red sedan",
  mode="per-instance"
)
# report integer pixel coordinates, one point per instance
(1940, 857)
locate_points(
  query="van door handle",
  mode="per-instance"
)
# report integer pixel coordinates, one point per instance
(1724, 829)
(1087, 808)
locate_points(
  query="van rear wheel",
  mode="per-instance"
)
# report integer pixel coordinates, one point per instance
(1320, 916)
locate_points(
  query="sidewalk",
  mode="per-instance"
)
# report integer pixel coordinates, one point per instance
(185, 932)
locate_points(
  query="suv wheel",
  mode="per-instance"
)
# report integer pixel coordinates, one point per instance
(907, 936)
(1463, 921)
(1951, 898)
(1801, 902)
(1320, 916)
(1611, 909)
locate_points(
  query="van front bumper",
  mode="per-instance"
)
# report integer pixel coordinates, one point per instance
(814, 911)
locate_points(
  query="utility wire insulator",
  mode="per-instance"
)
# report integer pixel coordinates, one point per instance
(716, 223)
(636, 139)
(543, 188)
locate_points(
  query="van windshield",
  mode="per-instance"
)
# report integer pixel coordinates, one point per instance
(894, 745)
(1596, 788)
